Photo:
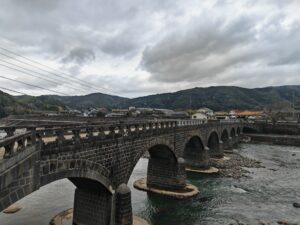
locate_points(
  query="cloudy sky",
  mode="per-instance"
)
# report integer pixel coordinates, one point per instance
(133, 48)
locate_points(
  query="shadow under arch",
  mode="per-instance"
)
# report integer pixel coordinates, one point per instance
(213, 144)
(196, 154)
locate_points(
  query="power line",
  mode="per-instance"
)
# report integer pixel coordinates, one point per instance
(61, 77)
(8, 89)
(56, 81)
(32, 85)
(87, 84)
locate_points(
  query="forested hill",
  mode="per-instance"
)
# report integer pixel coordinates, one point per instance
(216, 98)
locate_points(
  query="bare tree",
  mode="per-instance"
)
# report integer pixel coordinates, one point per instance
(275, 110)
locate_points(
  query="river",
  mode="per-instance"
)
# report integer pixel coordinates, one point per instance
(266, 195)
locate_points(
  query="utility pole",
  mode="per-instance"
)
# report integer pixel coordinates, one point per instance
(293, 105)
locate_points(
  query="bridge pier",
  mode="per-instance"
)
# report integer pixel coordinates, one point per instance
(92, 207)
(235, 140)
(123, 206)
(167, 177)
(217, 150)
(198, 160)
(228, 145)
(166, 174)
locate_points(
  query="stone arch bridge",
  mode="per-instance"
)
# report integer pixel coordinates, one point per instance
(99, 159)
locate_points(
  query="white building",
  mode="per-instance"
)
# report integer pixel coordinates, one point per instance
(203, 114)
(206, 111)
(200, 116)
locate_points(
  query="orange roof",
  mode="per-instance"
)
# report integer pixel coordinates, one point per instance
(249, 113)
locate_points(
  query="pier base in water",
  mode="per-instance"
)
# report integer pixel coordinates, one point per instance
(210, 170)
(187, 192)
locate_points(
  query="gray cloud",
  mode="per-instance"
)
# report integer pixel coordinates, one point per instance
(79, 56)
(136, 48)
(207, 47)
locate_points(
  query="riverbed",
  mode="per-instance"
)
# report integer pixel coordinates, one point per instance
(266, 195)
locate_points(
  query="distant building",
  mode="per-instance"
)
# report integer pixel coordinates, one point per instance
(120, 110)
(203, 114)
(247, 114)
(200, 116)
(179, 115)
(207, 111)
(96, 112)
(116, 115)
(222, 115)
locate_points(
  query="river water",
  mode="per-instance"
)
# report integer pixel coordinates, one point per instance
(266, 195)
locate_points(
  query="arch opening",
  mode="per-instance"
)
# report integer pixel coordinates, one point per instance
(195, 154)
(162, 152)
(214, 145)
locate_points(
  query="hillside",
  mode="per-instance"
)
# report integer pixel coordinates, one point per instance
(27, 104)
(91, 100)
(8, 104)
(44, 103)
(216, 98)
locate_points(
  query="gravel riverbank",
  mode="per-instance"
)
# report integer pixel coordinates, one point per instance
(232, 165)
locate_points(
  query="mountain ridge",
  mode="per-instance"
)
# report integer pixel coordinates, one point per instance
(215, 97)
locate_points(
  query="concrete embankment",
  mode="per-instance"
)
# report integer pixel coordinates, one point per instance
(292, 140)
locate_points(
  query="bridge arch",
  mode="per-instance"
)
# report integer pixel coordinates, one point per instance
(94, 190)
(195, 153)
(74, 168)
(88, 177)
(213, 144)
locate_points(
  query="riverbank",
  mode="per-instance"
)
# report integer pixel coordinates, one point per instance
(232, 165)
(277, 139)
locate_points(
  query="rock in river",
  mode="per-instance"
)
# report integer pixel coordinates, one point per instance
(296, 204)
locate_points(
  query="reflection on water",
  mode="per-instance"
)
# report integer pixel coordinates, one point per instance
(267, 195)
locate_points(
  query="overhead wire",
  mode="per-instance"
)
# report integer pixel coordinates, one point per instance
(8, 89)
(59, 74)
(54, 81)
(32, 85)
(64, 78)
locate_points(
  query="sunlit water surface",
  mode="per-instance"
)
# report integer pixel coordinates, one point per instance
(267, 195)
